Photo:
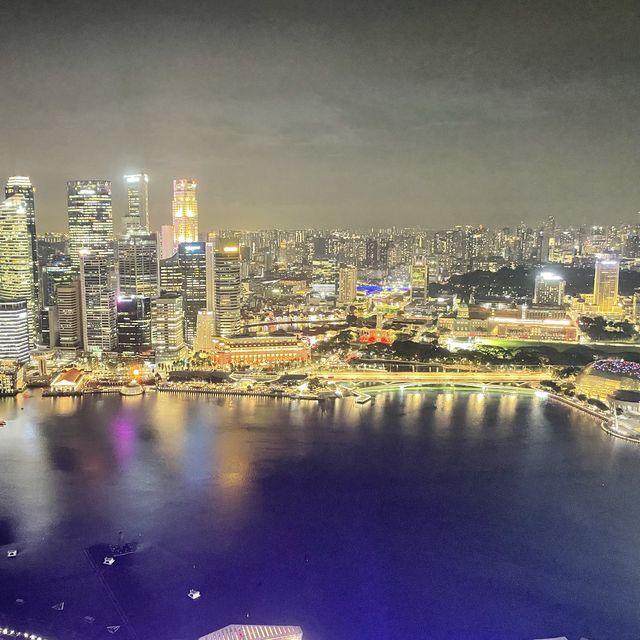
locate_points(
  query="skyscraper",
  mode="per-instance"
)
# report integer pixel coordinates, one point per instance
(90, 218)
(98, 283)
(549, 289)
(16, 259)
(223, 288)
(21, 185)
(69, 303)
(419, 280)
(137, 218)
(134, 324)
(192, 261)
(14, 330)
(347, 284)
(167, 327)
(138, 273)
(605, 284)
(185, 210)
(167, 247)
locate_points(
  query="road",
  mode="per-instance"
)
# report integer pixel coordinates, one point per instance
(487, 377)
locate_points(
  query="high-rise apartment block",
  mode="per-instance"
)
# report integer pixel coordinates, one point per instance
(549, 289)
(347, 284)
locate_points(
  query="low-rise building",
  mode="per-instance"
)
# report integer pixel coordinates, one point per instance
(605, 378)
(68, 381)
(259, 350)
(11, 377)
(255, 632)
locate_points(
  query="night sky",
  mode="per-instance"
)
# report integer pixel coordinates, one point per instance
(330, 113)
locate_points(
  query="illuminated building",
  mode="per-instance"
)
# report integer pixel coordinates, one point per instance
(185, 211)
(605, 378)
(549, 290)
(137, 218)
(605, 284)
(21, 185)
(98, 286)
(419, 280)
(57, 270)
(69, 307)
(167, 248)
(90, 218)
(223, 288)
(11, 378)
(167, 327)
(255, 632)
(14, 330)
(259, 350)
(193, 265)
(347, 284)
(205, 331)
(16, 259)
(134, 324)
(171, 277)
(138, 272)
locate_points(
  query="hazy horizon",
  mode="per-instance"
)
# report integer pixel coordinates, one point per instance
(323, 114)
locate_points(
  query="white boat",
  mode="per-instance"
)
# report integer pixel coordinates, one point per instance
(108, 561)
(194, 594)
(12, 553)
(363, 399)
(132, 389)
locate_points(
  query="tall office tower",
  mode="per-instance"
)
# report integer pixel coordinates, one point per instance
(16, 259)
(185, 211)
(167, 248)
(347, 284)
(21, 185)
(69, 304)
(134, 324)
(419, 280)
(223, 288)
(14, 330)
(171, 278)
(138, 270)
(90, 218)
(605, 284)
(49, 333)
(549, 289)
(57, 270)
(51, 244)
(137, 218)
(192, 260)
(205, 331)
(98, 283)
(167, 327)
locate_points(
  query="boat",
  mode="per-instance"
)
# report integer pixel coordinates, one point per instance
(3, 422)
(132, 389)
(194, 594)
(363, 399)
(12, 553)
(122, 548)
(108, 561)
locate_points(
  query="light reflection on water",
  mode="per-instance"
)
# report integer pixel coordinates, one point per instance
(343, 518)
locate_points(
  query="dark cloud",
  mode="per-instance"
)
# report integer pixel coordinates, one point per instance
(330, 113)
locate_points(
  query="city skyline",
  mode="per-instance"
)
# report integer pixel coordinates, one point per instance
(333, 114)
